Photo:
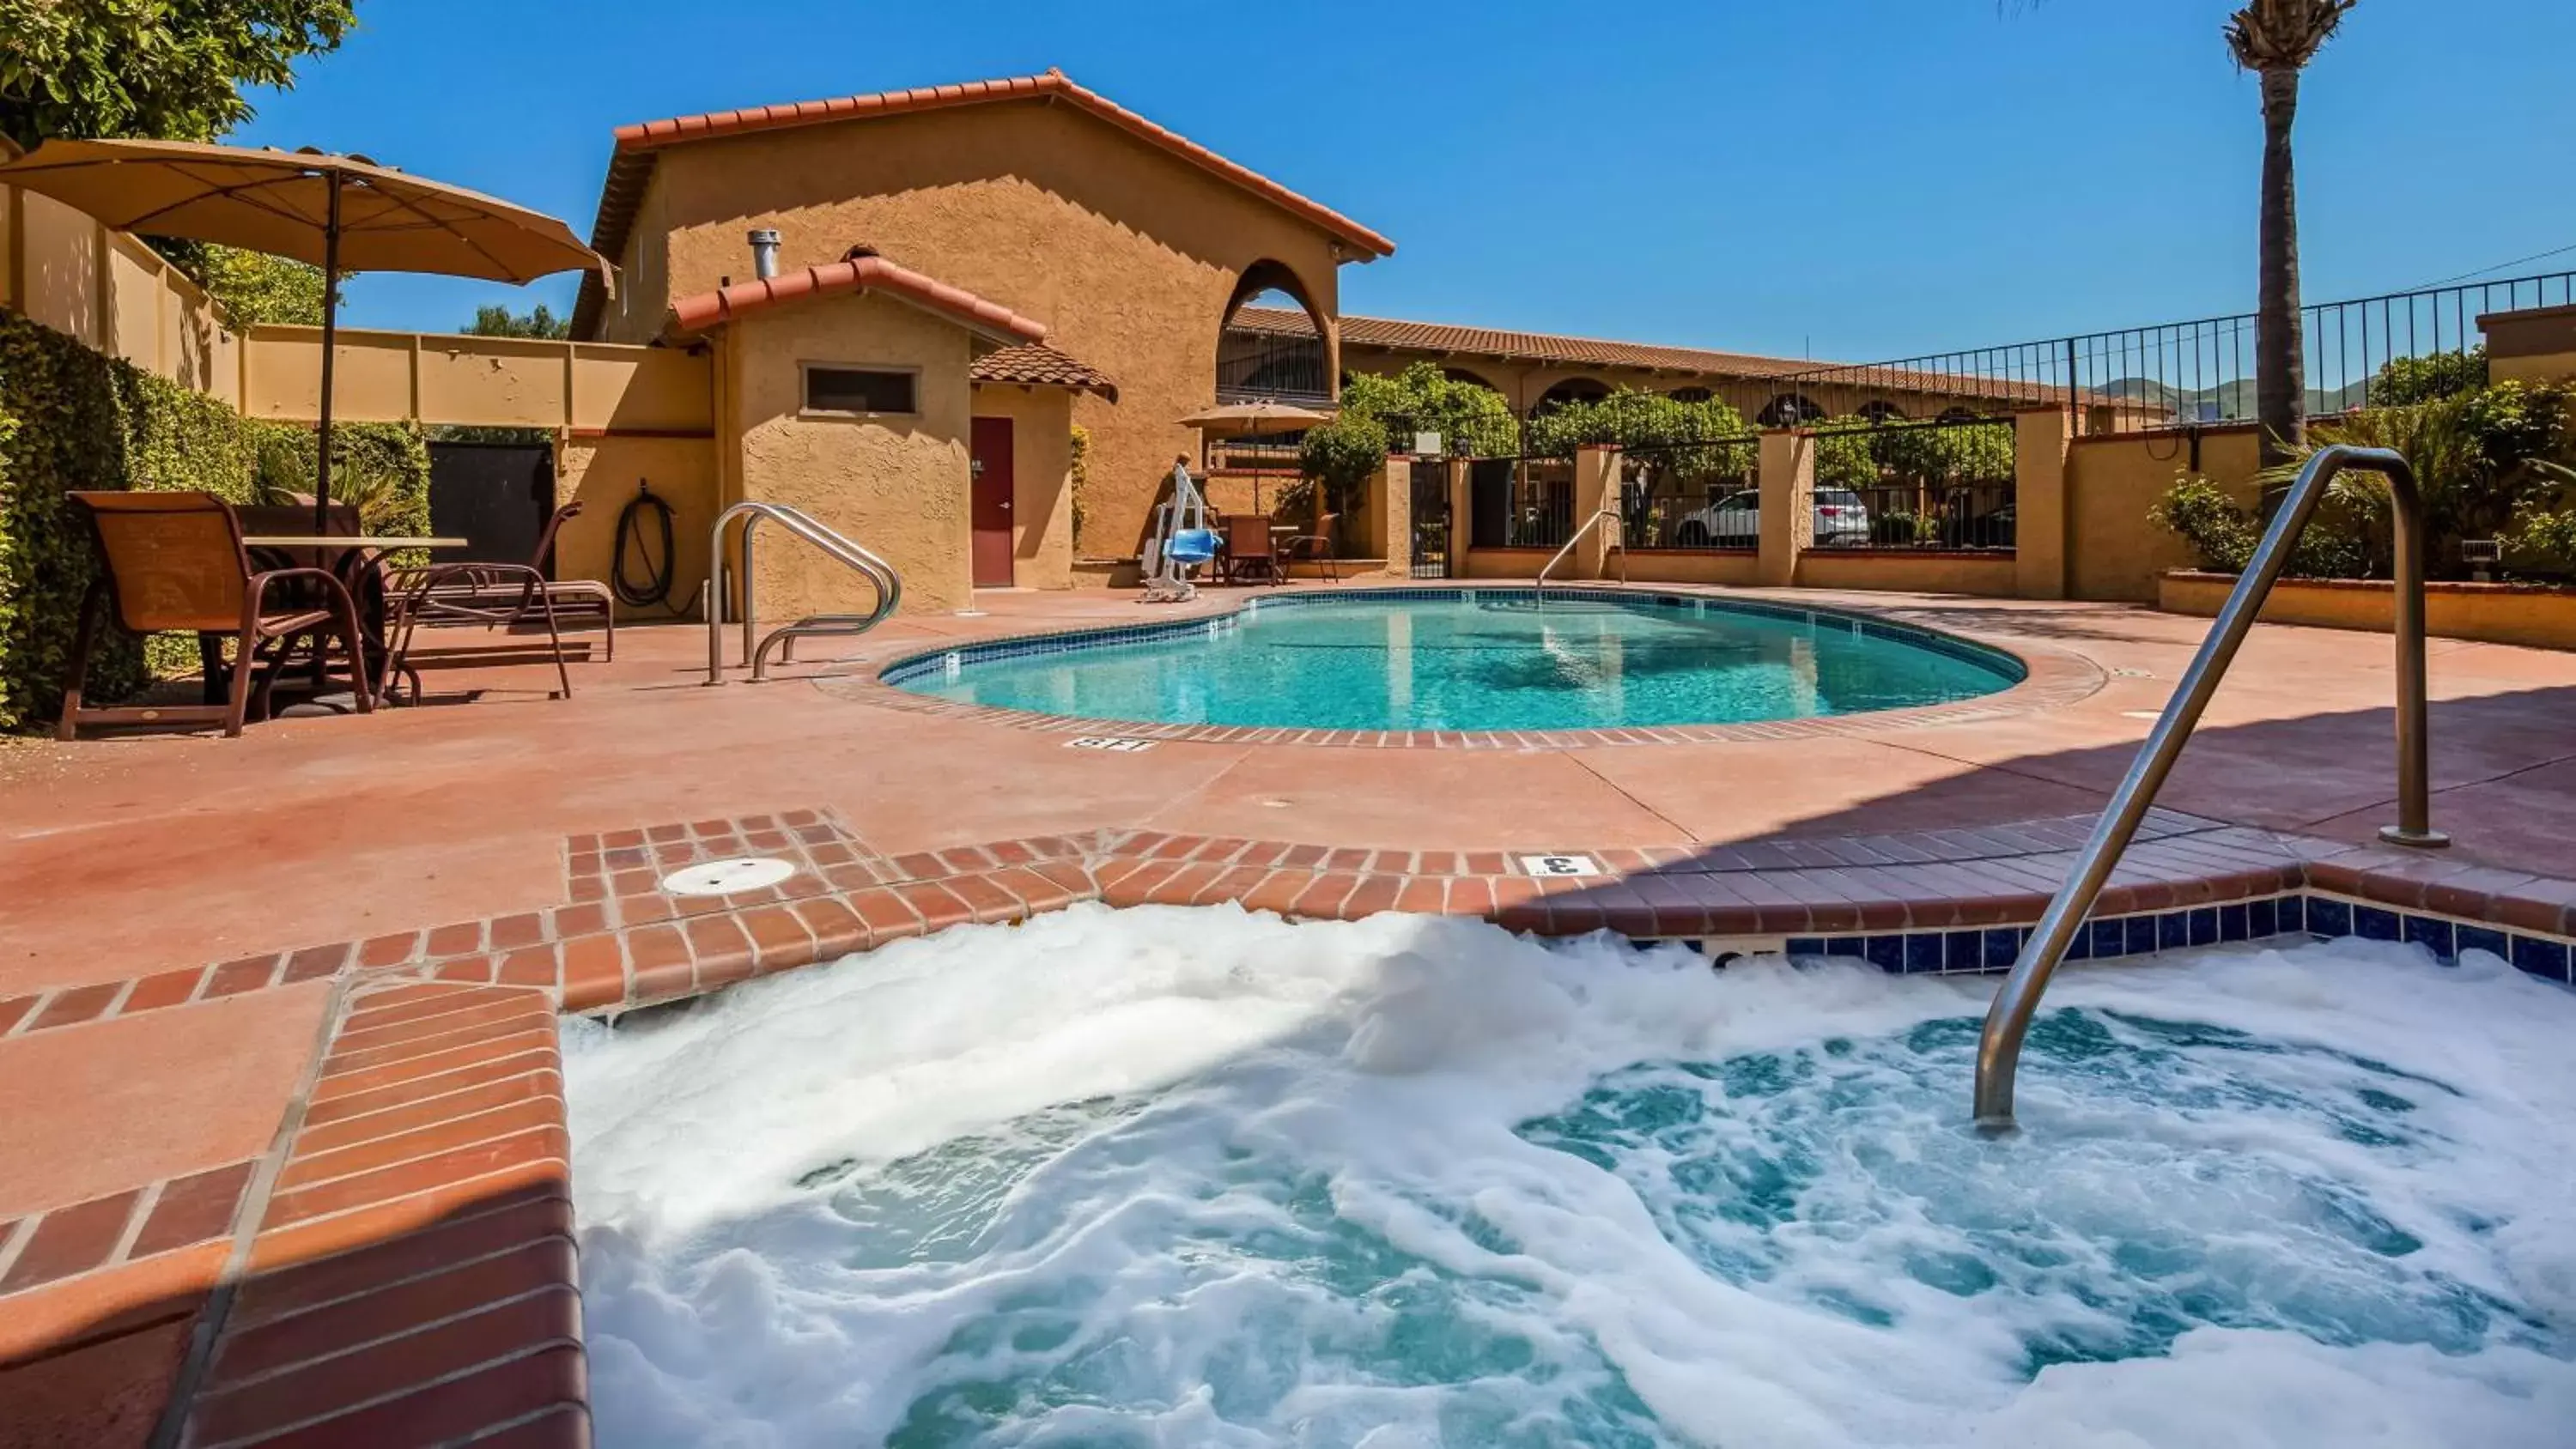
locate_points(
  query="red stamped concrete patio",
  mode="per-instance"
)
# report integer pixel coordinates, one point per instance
(282, 1156)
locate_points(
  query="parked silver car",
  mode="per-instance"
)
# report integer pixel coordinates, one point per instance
(1735, 521)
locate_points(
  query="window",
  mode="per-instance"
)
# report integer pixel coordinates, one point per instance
(859, 390)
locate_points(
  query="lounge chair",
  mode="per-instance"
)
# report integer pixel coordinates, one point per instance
(1248, 548)
(174, 561)
(507, 594)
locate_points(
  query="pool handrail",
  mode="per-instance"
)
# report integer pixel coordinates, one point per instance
(2008, 1019)
(880, 575)
(1589, 524)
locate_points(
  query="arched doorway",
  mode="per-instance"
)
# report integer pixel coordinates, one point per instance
(1274, 342)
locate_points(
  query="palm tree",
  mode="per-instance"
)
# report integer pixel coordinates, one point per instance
(2276, 39)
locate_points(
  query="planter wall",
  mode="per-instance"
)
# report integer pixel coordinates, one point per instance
(2535, 614)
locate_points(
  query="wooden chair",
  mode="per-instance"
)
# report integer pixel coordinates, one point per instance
(1248, 548)
(174, 561)
(1314, 548)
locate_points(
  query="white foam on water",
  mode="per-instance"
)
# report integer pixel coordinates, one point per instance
(1207, 1178)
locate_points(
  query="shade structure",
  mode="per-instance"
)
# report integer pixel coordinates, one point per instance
(340, 213)
(1251, 420)
(1254, 418)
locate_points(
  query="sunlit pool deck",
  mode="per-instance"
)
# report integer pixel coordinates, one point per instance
(282, 1146)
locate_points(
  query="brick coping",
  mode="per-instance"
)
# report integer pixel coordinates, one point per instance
(401, 1266)
(2051, 678)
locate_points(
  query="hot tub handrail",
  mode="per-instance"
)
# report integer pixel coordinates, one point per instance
(2008, 1020)
(1589, 524)
(880, 575)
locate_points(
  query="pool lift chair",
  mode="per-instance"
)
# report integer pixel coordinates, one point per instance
(1181, 542)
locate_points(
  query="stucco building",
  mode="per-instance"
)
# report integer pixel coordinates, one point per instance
(920, 234)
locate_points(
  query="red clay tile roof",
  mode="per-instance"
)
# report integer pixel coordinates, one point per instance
(1521, 346)
(1473, 342)
(857, 274)
(1037, 364)
(632, 165)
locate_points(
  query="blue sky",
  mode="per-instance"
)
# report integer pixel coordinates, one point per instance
(1848, 179)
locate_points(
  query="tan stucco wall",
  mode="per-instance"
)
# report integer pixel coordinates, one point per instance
(1127, 253)
(2112, 550)
(112, 293)
(1735, 568)
(602, 473)
(1041, 480)
(896, 485)
(482, 381)
(2535, 345)
(1989, 575)
(2495, 613)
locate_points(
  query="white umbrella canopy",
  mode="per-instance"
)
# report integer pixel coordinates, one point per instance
(335, 212)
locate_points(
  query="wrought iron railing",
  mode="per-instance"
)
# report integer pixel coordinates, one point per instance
(1690, 495)
(1520, 502)
(1252, 366)
(2172, 374)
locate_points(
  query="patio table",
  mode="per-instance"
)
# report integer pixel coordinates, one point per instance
(351, 555)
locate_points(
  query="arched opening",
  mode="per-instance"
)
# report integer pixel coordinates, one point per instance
(1271, 342)
(1690, 394)
(1460, 374)
(1788, 410)
(1879, 410)
(1573, 389)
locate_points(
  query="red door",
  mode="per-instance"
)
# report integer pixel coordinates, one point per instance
(990, 450)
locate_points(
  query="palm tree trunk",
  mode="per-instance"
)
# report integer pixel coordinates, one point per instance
(2280, 363)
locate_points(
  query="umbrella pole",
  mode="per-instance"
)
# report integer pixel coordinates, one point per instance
(330, 346)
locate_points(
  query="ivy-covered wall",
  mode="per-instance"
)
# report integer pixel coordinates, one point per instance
(72, 419)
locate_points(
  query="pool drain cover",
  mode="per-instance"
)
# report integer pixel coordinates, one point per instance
(727, 877)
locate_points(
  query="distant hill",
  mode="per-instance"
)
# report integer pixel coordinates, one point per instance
(2234, 400)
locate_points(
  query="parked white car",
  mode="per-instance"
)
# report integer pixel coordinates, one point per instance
(1735, 521)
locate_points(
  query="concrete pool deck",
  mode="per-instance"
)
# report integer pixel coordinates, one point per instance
(275, 1013)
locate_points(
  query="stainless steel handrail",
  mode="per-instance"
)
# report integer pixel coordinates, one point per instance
(2008, 1020)
(880, 575)
(1589, 524)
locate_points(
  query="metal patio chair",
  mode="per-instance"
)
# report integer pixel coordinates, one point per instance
(175, 562)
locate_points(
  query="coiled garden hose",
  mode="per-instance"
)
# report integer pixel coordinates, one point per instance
(654, 589)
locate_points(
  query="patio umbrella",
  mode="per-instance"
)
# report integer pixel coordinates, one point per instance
(332, 211)
(1251, 420)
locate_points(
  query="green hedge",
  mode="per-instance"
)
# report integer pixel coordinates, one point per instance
(72, 419)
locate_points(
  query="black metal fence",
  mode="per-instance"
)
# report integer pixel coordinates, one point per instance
(1927, 485)
(2173, 374)
(1693, 495)
(1520, 502)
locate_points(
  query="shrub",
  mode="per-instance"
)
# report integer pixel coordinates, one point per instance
(2404, 380)
(2486, 459)
(2224, 534)
(74, 420)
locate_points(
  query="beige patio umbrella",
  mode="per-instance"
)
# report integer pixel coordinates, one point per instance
(336, 212)
(1251, 420)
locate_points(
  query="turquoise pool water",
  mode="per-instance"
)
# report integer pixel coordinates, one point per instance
(1486, 659)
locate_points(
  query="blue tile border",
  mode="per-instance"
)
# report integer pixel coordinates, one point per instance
(2310, 915)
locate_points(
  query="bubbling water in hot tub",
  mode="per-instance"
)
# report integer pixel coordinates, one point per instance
(1201, 1177)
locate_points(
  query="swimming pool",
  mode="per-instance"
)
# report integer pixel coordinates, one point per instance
(1473, 659)
(1165, 1176)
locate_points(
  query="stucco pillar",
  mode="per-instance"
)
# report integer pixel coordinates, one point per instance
(1596, 486)
(2039, 503)
(1788, 481)
(1393, 513)
(1461, 500)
